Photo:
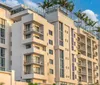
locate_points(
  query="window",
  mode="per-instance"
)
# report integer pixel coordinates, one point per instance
(28, 36)
(51, 71)
(60, 33)
(2, 59)
(2, 35)
(51, 61)
(73, 67)
(62, 63)
(50, 51)
(2, 52)
(50, 42)
(72, 38)
(27, 27)
(28, 58)
(28, 46)
(50, 32)
(28, 69)
(2, 23)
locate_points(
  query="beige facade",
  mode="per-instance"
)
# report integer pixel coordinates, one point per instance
(80, 51)
(8, 78)
(51, 49)
(5, 28)
(33, 38)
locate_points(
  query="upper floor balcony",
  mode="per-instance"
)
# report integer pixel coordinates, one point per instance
(90, 74)
(33, 61)
(83, 79)
(34, 30)
(34, 39)
(82, 64)
(34, 50)
(34, 72)
(82, 73)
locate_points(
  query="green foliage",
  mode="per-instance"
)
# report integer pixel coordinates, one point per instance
(83, 17)
(1, 83)
(32, 84)
(69, 5)
(54, 84)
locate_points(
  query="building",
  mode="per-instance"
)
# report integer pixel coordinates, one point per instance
(32, 47)
(8, 78)
(50, 49)
(75, 49)
(5, 29)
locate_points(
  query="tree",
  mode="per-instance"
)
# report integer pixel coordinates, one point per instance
(32, 84)
(54, 84)
(49, 3)
(54, 2)
(80, 16)
(1, 83)
(97, 30)
(44, 4)
(62, 3)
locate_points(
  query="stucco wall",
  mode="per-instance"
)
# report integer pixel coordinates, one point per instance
(8, 78)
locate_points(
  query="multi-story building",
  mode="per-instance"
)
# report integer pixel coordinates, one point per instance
(33, 55)
(76, 51)
(50, 49)
(5, 28)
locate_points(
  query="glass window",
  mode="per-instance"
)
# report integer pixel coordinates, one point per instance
(50, 32)
(51, 61)
(27, 26)
(50, 51)
(50, 42)
(2, 52)
(28, 36)
(28, 46)
(62, 63)
(51, 71)
(60, 33)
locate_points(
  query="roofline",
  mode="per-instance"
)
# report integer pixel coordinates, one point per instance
(5, 6)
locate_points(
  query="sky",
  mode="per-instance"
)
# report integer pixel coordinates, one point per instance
(90, 7)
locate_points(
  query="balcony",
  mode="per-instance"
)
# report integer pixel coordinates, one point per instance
(89, 44)
(82, 73)
(81, 56)
(82, 49)
(81, 41)
(82, 64)
(90, 74)
(89, 66)
(34, 62)
(33, 74)
(94, 47)
(17, 16)
(34, 50)
(33, 30)
(82, 80)
(35, 40)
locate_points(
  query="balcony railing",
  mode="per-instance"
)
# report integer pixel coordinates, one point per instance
(82, 73)
(32, 29)
(34, 72)
(34, 61)
(89, 74)
(81, 41)
(89, 66)
(82, 80)
(82, 64)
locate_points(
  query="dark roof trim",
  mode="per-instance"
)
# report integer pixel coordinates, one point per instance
(5, 6)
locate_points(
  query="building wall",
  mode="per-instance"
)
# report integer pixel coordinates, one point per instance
(76, 60)
(5, 15)
(71, 41)
(19, 50)
(8, 78)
